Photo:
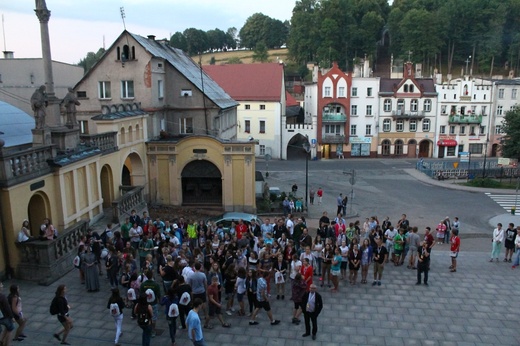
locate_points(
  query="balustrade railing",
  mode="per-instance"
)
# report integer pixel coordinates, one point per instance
(298, 126)
(106, 142)
(133, 199)
(45, 261)
(20, 166)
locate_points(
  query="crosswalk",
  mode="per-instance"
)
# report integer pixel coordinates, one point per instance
(505, 201)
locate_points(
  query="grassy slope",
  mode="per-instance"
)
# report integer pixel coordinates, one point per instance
(246, 56)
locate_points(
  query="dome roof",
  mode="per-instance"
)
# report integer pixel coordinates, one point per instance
(15, 125)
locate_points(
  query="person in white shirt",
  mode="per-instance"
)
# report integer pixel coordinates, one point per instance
(389, 236)
(517, 248)
(498, 238)
(289, 224)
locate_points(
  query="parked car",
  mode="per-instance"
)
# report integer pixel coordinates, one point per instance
(227, 218)
(275, 193)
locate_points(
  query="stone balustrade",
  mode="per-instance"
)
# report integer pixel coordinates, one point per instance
(19, 166)
(45, 261)
(133, 199)
(106, 142)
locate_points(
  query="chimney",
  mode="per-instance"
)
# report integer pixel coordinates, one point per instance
(8, 54)
(151, 37)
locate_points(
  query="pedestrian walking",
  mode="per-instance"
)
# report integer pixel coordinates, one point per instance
(423, 263)
(311, 195)
(144, 313)
(509, 242)
(344, 203)
(60, 306)
(194, 325)
(498, 238)
(262, 299)
(171, 310)
(517, 247)
(339, 203)
(312, 306)
(6, 319)
(116, 305)
(15, 302)
(319, 193)
(380, 256)
(455, 247)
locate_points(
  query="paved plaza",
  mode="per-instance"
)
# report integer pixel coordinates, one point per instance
(474, 306)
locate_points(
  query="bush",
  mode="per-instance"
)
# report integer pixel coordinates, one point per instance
(484, 182)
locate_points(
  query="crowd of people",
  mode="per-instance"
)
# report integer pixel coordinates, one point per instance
(188, 266)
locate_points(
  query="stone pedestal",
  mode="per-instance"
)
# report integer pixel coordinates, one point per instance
(42, 136)
(65, 138)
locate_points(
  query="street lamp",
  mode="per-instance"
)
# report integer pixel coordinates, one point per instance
(307, 147)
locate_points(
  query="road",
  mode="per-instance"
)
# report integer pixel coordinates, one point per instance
(383, 188)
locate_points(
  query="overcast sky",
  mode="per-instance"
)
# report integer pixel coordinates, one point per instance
(79, 26)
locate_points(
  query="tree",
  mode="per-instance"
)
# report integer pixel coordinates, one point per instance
(261, 53)
(303, 37)
(216, 39)
(197, 41)
(178, 40)
(511, 140)
(261, 28)
(91, 59)
(231, 38)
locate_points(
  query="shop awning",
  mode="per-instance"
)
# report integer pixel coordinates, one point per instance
(447, 143)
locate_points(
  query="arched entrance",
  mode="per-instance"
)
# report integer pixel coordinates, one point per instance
(201, 184)
(424, 148)
(132, 173)
(37, 210)
(385, 147)
(295, 150)
(412, 147)
(494, 150)
(398, 147)
(107, 186)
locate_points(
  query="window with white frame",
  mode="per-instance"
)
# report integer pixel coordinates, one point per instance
(498, 129)
(185, 125)
(262, 126)
(387, 105)
(462, 130)
(387, 125)
(413, 125)
(427, 105)
(247, 126)
(104, 90)
(83, 126)
(160, 89)
(368, 130)
(369, 110)
(369, 92)
(442, 129)
(514, 92)
(353, 130)
(262, 150)
(353, 110)
(476, 148)
(333, 129)
(452, 129)
(426, 125)
(262, 107)
(127, 89)
(500, 93)
(414, 105)
(399, 125)
(500, 110)
(327, 91)
(341, 92)
(354, 91)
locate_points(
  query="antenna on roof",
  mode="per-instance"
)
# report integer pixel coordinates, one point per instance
(123, 16)
(3, 32)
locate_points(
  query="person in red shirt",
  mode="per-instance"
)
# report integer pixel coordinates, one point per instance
(428, 238)
(241, 229)
(319, 193)
(306, 271)
(455, 247)
(215, 307)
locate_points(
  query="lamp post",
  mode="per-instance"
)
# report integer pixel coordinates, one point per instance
(307, 148)
(485, 157)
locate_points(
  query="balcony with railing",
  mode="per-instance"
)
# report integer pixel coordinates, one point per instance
(465, 119)
(19, 166)
(407, 114)
(106, 142)
(333, 139)
(333, 118)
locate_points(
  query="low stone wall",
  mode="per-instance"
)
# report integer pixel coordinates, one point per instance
(45, 262)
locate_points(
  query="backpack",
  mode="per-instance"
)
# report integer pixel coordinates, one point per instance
(131, 294)
(143, 318)
(173, 311)
(114, 309)
(150, 295)
(77, 262)
(185, 299)
(54, 310)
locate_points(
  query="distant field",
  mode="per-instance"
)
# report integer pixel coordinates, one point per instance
(246, 56)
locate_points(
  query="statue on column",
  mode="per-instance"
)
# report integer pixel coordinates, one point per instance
(71, 101)
(39, 105)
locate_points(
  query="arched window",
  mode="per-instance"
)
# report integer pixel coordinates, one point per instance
(130, 135)
(406, 88)
(137, 134)
(398, 147)
(122, 138)
(126, 53)
(385, 147)
(411, 88)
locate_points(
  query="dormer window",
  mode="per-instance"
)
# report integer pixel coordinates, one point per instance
(406, 88)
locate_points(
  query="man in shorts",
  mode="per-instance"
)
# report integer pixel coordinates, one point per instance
(199, 285)
(214, 305)
(262, 301)
(380, 256)
(7, 321)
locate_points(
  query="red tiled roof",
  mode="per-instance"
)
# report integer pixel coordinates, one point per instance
(290, 100)
(249, 82)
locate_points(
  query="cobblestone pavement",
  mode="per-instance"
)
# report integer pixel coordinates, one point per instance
(474, 306)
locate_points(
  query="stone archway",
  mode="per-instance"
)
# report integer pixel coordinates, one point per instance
(107, 186)
(37, 210)
(494, 150)
(412, 147)
(132, 173)
(201, 184)
(295, 150)
(424, 148)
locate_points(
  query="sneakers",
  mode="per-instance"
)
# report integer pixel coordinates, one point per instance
(229, 312)
(253, 323)
(275, 322)
(374, 283)
(379, 283)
